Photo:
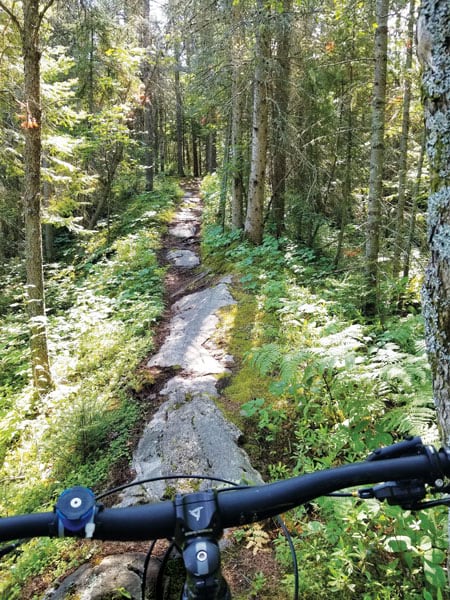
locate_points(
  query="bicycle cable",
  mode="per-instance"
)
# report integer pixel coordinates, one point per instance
(235, 486)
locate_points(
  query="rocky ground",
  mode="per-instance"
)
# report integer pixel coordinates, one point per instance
(186, 433)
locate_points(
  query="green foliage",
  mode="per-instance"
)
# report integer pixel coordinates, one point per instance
(335, 389)
(102, 312)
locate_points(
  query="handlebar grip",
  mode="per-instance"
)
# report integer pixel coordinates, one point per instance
(260, 502)
(27, 526)
(136, 523)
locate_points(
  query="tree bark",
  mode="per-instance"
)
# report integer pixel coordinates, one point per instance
(254, 223)
(433, 28)
(376, 160)
(179, 114)
(146, 77)
(412, 219)
(237, 112)
(32, 198)
(280, 117)
(400, 236)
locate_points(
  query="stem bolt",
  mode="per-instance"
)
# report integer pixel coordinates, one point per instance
(202, 556)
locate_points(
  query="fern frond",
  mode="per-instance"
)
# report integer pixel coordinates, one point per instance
(416, 417)
(265, 358)
(291, 364)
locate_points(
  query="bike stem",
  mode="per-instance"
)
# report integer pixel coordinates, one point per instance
(198, 531)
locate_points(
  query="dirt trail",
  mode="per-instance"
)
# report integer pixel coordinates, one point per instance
(189, 434)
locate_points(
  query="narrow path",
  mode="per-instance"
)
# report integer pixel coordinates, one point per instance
(188, 434)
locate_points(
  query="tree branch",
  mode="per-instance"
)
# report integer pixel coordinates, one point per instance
(47, 5)
(13, 17)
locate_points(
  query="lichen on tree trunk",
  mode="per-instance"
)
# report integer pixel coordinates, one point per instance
(434, 52)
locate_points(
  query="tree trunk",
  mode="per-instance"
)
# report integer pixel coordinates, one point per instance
(32, 198)
(412, 220)
(149, 146)
(400, 236)
(211, 152)
(146, 78)
(194, 133)
(179, 114)
(433, 50)
(280, 117)
(376, 160)
(254, 224)
(237, 111)
(162, 137)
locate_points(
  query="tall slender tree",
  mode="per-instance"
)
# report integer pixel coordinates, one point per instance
(376, 158)
(29, 26)
(179, 110)
(280, 114)
(148, 108)
(400, 234)
(254, 222)
(237, 113)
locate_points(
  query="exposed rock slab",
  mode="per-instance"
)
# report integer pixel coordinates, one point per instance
(183, 230)
(183, 258)
(102, 581)
(192, 326)
(188, 435)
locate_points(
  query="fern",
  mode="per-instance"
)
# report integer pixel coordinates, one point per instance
(266, 358)
(291, 364)
(415, 416)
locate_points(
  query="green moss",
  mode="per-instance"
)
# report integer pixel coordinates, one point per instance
(242, 329)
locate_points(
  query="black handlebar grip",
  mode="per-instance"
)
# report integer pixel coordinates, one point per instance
(27, 526)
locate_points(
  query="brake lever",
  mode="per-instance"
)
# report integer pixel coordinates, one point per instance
(409, 447)
(407, 494)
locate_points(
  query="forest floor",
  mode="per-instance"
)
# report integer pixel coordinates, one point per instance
(185, 277)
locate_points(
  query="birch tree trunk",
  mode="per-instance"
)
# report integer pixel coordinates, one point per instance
(146, 76)
(376, 160)
(254, 224)
(433, 29)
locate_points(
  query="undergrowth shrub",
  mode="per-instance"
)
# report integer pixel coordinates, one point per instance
(102, 310)
(330, 388)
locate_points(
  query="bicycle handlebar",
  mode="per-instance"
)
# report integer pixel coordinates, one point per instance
(240, 506)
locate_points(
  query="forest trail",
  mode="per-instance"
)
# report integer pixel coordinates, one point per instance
(187, 434)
